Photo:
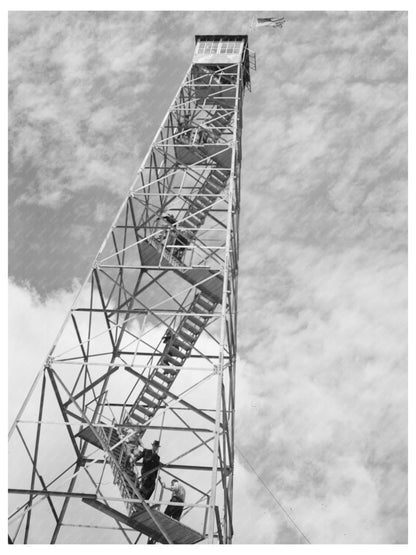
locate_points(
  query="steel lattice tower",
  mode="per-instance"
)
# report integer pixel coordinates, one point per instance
(149, 344)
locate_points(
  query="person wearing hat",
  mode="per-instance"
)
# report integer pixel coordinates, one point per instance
(150, 466)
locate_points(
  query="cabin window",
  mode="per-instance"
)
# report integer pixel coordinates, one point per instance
(230, 47)
(208, 47)
(218, 47)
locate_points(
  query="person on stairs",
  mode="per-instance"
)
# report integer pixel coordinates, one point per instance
(150, 466)
(178, 496)
(133, 445)
(180, 241)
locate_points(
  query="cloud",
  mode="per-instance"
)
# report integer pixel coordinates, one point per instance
(69, 99)
(33, 326)
(331, 405)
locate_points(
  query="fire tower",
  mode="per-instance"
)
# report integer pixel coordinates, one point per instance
(148, 348)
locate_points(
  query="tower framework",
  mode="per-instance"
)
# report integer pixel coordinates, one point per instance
(148, 347)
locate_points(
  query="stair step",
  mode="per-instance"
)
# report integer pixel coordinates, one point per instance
(195, 225)
(218, 176)
(162, 377)
(154, 392)
(206, 300)
(171, 369)
(197, 207)
(201, 202)
(199, 322)
(211, 189)
(127, 491)
(148, 412)
(214, 184)
(204, 305)
(171, 360)
(195, 219)
(182, 344)
(137, 417)
(174, 351)
(121, 482)
(163, 389)
(219, 120)
(149, 401)
(186, 335)
(172, 372)
(190, 327)
(112, 439)
(187, 224)
(117, 453)
(130, 474)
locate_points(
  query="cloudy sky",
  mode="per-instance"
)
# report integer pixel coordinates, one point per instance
(322, 383)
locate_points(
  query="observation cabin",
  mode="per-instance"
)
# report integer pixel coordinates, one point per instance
(220, 50)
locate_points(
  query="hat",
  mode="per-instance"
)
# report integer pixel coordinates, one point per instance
(156, 443)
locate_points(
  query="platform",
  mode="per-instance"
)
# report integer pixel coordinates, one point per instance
(142, 522)
(89, 435)
(210, 282)
(220, 153)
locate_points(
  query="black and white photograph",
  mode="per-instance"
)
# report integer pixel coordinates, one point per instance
(207, 274)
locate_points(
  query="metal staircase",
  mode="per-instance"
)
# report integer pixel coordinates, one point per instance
(152, 397)
(200, 204)
(176, 248)
(117, 458)
(178, 347)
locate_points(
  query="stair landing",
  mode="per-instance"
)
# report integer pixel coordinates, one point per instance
(210, 282)
(141, 521)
